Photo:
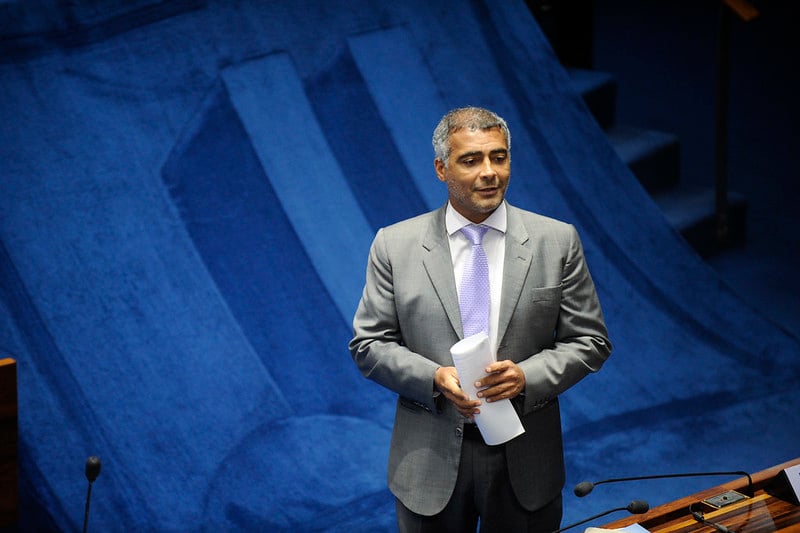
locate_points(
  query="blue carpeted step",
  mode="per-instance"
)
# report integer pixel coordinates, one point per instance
(599, 92)
(653, 156)
(692, 212)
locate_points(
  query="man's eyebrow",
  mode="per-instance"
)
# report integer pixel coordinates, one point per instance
(478, 152)
(470, 154)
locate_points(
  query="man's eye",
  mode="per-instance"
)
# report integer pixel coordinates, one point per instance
(468, 162)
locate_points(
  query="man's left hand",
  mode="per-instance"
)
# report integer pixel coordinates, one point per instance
(505, 380)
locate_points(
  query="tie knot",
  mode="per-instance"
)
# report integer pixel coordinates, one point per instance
(474, 233)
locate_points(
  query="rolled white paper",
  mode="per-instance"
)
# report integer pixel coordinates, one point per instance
(498, 421)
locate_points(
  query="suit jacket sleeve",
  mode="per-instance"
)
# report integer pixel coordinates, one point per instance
(377, 347)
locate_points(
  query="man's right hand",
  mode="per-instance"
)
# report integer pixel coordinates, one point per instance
(446, 381)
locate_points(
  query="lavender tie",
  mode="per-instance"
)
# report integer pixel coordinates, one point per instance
(474, 295)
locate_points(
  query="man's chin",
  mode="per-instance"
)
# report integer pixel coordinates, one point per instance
(489, 205)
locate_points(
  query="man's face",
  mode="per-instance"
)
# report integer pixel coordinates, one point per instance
(477, 172)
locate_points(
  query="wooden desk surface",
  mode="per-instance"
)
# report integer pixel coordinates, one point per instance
(761, 513)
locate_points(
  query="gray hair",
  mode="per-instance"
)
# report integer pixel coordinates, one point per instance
(471, 118)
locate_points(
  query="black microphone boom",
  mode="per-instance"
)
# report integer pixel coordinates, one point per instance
(585, 487)
(635, 507)
(92, 471)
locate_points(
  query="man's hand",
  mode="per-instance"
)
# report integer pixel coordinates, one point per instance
(505, 380)
(446, 381)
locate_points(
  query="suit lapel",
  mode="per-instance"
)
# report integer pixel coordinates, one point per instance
(439, 266)
(518, 260)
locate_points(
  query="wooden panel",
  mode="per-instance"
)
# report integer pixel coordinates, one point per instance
(763, 512)
(9, 476)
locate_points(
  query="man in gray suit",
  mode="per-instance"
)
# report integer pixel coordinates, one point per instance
(545, 327)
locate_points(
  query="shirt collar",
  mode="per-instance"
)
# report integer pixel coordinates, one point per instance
(454, 220)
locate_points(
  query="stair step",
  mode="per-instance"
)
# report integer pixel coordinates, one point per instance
(654, 157)
(599, 93)
(692, 212)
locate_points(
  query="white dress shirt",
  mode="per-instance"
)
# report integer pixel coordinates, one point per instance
(494, 246)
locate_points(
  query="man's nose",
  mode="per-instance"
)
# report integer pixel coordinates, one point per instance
(487, 169)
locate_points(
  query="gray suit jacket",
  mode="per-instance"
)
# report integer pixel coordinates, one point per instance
(551, 325)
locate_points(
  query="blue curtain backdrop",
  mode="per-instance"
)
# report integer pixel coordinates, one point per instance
(188, 191)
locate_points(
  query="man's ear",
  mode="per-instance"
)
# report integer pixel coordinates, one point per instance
(439, 166)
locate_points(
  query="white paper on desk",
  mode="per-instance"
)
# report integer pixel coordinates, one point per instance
(634, 528)
(497, 421)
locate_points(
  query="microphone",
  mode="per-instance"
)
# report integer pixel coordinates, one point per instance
(92, 471)
(635, 507)
(585, 487)
(698, 516)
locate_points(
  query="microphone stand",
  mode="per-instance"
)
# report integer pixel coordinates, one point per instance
(635, 507)
(86, 511)
(585, 487)
(92, 471)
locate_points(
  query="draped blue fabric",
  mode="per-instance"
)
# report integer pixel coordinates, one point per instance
(188, 191)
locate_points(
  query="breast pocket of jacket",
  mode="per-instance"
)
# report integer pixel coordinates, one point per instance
(545, 295)
(533, 323)
(544, 305)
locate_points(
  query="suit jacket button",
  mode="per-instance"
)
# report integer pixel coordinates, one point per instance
(459, 432)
